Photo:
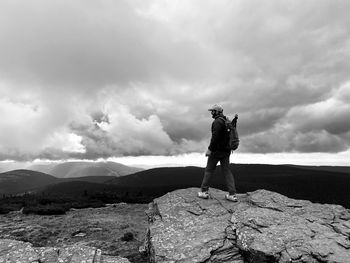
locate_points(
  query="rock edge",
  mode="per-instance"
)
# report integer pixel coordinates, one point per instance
(263, 226)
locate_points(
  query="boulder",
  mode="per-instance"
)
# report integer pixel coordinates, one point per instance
(24, 252)
(262, 226)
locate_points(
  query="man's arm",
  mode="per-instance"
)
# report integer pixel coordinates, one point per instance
(215, 133)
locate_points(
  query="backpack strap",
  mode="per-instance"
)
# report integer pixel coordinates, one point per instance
(225, 122)
(222, 118)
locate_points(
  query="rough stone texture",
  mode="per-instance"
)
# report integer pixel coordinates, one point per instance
(262, 227)
(23, 252)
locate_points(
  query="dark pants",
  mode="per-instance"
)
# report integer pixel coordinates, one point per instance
(224, 159)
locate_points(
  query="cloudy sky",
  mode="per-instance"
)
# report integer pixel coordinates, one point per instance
(133, 79)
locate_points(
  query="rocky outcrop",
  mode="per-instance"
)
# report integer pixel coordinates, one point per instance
(262, 227)
(24, 252)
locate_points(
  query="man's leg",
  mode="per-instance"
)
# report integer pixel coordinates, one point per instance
(208, 172)
(225, 168)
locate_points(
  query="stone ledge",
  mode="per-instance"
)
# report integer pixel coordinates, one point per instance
(262, 227)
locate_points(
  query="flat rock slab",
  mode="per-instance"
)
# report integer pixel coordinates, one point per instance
(184, 228)
(13, 251)
(262, 227)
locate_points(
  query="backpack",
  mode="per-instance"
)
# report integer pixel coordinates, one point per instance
(231, 128)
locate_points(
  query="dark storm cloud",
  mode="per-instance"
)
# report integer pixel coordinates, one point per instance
(320, 141)
(70, 42)
(260, 120)
(84, 44)
(316, 127)
(109, 78)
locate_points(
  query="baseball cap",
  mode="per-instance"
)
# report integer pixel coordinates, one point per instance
(216, 107)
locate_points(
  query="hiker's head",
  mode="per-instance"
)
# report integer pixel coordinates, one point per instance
(216, 110)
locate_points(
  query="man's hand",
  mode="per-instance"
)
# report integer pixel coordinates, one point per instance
(208, 153)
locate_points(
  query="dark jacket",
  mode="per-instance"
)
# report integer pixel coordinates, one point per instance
(219, 136)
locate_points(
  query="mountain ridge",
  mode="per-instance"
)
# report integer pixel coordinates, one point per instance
(23, 180)
(295, 182)
(85, 168)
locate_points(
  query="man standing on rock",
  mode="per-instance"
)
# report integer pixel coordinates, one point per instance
(218, 150)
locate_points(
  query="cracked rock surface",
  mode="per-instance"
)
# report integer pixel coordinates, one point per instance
(24, 252)
(263, 226)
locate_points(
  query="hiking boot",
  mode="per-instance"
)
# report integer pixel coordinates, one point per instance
(232, 198)
(204, 195)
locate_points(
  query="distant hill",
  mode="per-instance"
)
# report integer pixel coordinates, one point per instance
(78, 188)
(43, 168)
(82, 169)
(165, 176)
(340, 169)
(18, 181)
(91, 179)
(107, 193)
(317, 185)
